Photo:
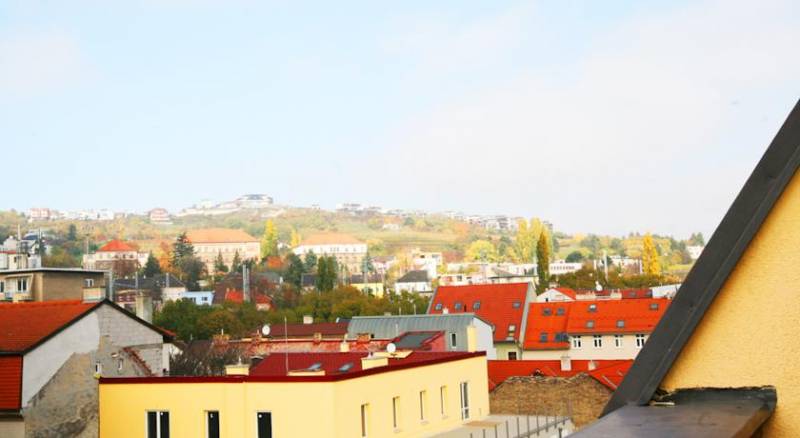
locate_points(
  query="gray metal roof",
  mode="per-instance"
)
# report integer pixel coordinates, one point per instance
(387, 327)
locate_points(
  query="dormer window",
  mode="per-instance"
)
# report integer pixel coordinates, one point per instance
(621, 323)
(592, 308)
(543, 337)
(476, 305)
(653, 306)
(560, 311)
(590, 323)
(516, 304)
(547, 311)
(438, 306)
(458, 305)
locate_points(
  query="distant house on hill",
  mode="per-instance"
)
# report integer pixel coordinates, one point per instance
(210, 242)
(122, 258)
(347, 250)
(416, 281)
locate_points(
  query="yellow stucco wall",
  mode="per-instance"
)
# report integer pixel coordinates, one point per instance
(749, 336)
(325, 409)
(504, 347)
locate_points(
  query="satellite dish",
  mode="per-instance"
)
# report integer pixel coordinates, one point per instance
(391, 348)
(265, 330)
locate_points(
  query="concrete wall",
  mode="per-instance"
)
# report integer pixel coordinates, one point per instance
(503, 348)
(63, 285)
(12, 428)
(587, 351)
(302, 409)
(748, 337)
(581, 397)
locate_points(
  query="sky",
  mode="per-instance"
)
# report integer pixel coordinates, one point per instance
(604, 117)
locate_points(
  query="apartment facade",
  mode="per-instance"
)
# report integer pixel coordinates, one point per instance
(404, 394)
(210, 242)
(109, 256)
(348, 251)
(47, 284)
(591, 330)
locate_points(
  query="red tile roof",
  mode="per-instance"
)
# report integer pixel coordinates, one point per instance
(608, 372)
(237, 296)
(567, 291)
(116, 245)
(219, 235)
(23, 325)
(10, 382)
(500, 304)
(338, 329)
(635, 316)
(550, 320)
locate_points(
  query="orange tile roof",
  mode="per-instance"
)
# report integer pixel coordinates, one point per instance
(330, 239)
(500, 304)
(10, 382)
(608, 372)
(237, 296)
(549, 319)
(116, 245)
(637, 316)
(567, 291)
(219, 235)
(24, 325)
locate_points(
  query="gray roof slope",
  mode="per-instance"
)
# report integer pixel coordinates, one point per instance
(388, 327)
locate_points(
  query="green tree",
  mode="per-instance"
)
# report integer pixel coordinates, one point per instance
(327, 273)
(181, 317)
(650, 262)
(218, 321)
(236, 263)
(182, 247)
(482, 251)
(269, 241)
(543, 260)
(294, 270)
(72, 233)
(697, 239)
(191, 270)
(151, 267)
(310, 261)
(574, 257)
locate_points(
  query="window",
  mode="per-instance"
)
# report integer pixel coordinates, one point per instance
(464, 400)
(476, 305)
(264, 424)
(423, 395)
(592, 308)
(120, 362)
(653, 306)
(597, 341)
(620, 323)
(512, 355)
(364, 425)
(516, 304)
(590, 323)
(560, 311)
(443, 400)
(640, 338)
(438, 306)
(88, 282)
(22, 285)
(453, 343)
(157, 424)
(2, 286)
(212, 424)
(543, 337)
(576, 342)
(98, 368)
(396, 412)
(546, 311)
(618, 341)
(457, 305)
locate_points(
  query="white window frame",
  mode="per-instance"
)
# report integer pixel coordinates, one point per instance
(423, 406)
(208, 425)
(618, 341)
(597, 341)
(576, 342)
(158, 422)
(641, 338)
(396, 412)
(464, 393)
(364, 420)
(443, 400)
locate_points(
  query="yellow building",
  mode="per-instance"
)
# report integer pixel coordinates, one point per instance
(405, 394)
(723, 361)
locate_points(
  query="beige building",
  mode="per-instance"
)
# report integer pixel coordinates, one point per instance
(348, 250)
(113, 255)
(49, 284)
(210, 242)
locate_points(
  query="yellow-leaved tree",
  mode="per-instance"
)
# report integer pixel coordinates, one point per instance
(650, 262)
(269, 241)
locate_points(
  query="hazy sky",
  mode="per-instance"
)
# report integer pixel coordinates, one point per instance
(597, 117)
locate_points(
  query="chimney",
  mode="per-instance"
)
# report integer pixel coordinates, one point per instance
(371, 361)
(566, 363)
(144, 307)
(472, 338)
(308, 319)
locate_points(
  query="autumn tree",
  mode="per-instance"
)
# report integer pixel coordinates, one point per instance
(482, 251)
(543, 259)
(524, 248)
(295, 238)
(269, 241)
(650, 262)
